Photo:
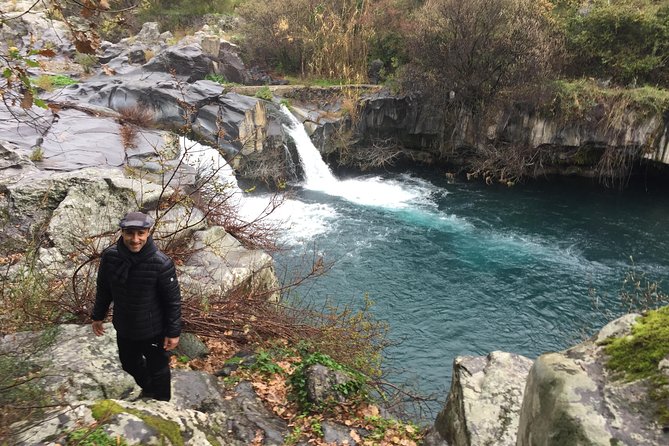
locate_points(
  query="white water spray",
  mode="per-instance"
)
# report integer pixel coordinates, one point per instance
(370, 191)
(299, 221)
(208, 163)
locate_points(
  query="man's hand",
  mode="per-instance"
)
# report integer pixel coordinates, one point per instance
(171, 343)
(98, 329)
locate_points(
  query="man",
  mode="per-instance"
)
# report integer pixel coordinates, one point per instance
(141, 282)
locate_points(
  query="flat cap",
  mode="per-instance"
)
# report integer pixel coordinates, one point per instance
(136, 220)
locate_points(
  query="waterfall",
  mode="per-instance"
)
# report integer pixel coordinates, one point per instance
(367, 191)
(317, 174)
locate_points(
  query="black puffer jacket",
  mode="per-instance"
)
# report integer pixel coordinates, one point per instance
(144, 289)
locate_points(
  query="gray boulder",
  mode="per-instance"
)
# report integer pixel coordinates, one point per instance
(484, 402)
(188, 61)
(322, 385)
(219, 263)
(81, 373)
(149, 34)
(571, 399)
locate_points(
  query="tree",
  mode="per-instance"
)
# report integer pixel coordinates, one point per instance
(474, 49)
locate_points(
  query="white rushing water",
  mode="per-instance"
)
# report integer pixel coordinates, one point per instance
(369, 191)
(298, 221)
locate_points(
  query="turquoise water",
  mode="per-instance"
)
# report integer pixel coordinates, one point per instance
(465, 269)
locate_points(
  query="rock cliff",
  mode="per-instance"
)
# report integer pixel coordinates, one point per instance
(561, 398)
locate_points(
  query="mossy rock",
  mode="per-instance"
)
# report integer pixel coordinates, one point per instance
(191, 346)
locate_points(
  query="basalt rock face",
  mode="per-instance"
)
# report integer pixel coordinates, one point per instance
(233, 122)
(568, 146)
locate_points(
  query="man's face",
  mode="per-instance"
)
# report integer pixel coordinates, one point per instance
(135, 238)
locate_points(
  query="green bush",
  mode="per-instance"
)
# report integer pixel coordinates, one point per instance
(353, 389)
(219, 78)
(625, 40)
(264, 93)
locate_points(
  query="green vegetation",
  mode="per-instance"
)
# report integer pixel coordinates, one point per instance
(264, 93)
(265, 363)
(219, 78)
(167, 429)
(573, 100)
(624, 40)
(87, 61)
(383, 426)
(354, 389)
(94, 437)
(49, 82)
(636, 357)
(37, 154)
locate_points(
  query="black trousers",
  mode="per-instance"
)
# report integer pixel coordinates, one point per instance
(148, 363)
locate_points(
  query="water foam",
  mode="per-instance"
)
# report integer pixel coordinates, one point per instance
(366, 191)
(297, 221)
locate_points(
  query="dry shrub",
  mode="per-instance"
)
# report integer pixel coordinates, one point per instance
(139, 115)
(132, 119)
(477, 48)
(313, 38)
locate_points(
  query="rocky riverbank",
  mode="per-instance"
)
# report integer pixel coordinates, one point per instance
(108, 144)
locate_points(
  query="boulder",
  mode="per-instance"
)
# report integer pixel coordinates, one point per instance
(219, 263)
(188, 61)
(322, 385)
(82, 378)
(571, 398)
(191, 346)
(149, 34)
(484, 402)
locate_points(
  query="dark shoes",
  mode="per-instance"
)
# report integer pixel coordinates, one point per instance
(144, 395)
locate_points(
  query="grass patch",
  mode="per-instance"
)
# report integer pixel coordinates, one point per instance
(94, 437)
(637, 357)
(49, 82)
(576, 99)
(264, 93)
